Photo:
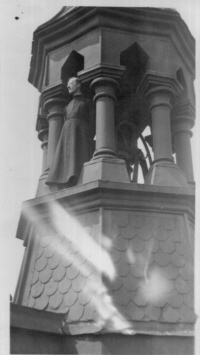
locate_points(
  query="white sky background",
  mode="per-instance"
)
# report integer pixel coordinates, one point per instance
(21, 154)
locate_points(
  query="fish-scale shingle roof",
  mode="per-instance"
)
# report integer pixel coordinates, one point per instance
(157, 278)
(152, 277)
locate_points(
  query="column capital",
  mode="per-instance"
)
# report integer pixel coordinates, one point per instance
(104, 87)
(153, 82)
(41, 122)
(56, 92)
(101, 70)
(183, 112)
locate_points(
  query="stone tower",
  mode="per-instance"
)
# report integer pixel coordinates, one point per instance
(108, 265)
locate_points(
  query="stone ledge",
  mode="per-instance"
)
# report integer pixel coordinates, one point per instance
(37, 332)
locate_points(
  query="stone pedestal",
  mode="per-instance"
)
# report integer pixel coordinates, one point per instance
(104, 168)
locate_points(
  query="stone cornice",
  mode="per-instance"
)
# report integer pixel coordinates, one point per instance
(153, 81)
(71, 24)
(114, 195)
(109, 71)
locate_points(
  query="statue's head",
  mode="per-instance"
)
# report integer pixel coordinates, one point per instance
(74, 86)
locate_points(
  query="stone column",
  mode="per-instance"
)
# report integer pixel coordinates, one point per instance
(105, 126)
(53, 100)
(103, 80)
(55, 119)
(42, 127)
(160, 107)
(182, 119)
(160, 89)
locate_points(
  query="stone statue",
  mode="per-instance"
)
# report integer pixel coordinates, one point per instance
(73, 148)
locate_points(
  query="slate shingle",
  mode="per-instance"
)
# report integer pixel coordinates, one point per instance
(42, 302)
(84, 296)
(41, 263)
(122, 268)
(51, 287)
(170, 314)
(54, 261)
(116, 284)
(59, 273)
(88, 313)
(55, 300)
(134, 312)
(35, 277)
(129, 256)
(161, 258)
(181, 285)
(78, 283)
(152, 245)
(179, 248)
(170, 271)
(37, 289)
(174, 235)
(168, 223)
(64, 285)
(189, 299)
(49, 251)
(144, 232)
(75, 312)
(116, 255)
(130, 283)
(186, 314)
(129, 231)
(137, 269)
(176, 259)
(175, 299)
(70, 298)
(40, 251)
(120, 218)
(152, 312)
(72, 272)
(136, 244)
(122, 297)
(31, 302)
(160, 234)
(139, 298)
(45, 275)
(46, 240)
(153, 222)
(168, 246)
(120, 243)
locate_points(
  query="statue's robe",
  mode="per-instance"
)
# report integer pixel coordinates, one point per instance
(73, 148)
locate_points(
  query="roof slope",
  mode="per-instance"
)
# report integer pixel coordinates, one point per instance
(153, 272)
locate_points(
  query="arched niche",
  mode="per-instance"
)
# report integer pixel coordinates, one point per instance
(181, 78)
(73, 64)
(135, 59)
(130, 107)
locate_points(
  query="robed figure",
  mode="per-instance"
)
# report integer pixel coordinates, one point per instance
(73, 148)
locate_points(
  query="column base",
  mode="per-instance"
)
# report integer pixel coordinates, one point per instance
(103, 168)
(166, 174)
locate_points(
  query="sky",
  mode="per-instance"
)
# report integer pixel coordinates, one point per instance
(21, 153)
